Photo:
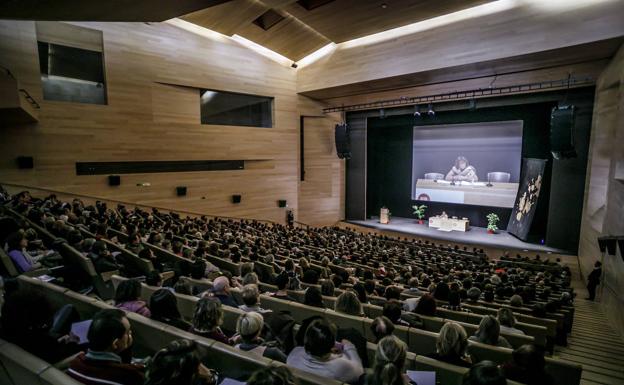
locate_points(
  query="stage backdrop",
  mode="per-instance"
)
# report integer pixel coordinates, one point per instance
(526, 200)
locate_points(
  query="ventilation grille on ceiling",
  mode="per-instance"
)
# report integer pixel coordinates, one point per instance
(268, 19)
(312, 4)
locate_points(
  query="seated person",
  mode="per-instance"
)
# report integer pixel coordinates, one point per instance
(489, 333)
(103, 260)
(426, 306)
(321, 355)
(389, 367)
(248, 327)
(16, 247)
(484, 373)
(29, 321)
(507, 321)
(279, 375)
(251, 299)
(281, 281)
(527, 366)
(348, 303)
(451, 345)
(164, 307)
(208, 318)
(178, 364)
(454, 302)
(381, 327)
(127, 298)
(462, 171)
(313, 297)
(110, 338)
(221, 291)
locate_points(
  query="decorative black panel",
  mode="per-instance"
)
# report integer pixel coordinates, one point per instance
(102, 168)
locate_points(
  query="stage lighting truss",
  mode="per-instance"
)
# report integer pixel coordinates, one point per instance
(468, 95)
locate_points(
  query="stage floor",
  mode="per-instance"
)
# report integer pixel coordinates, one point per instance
(474, 236)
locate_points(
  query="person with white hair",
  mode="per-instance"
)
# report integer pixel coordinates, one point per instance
(451, 345)
(249, 327)
(221, 291)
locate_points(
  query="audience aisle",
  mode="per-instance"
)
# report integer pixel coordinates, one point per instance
(593, 343)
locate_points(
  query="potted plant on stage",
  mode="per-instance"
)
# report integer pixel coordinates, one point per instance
(492, 222)
(419, 211)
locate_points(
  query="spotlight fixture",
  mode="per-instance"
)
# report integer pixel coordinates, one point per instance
(416, 111)
(430, 110)
(382, 113)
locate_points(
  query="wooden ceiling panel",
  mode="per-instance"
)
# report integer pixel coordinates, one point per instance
(228, 18)
(118, 10)
(289, 37)
(342, 20)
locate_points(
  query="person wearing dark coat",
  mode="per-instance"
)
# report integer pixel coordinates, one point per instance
(593, 280)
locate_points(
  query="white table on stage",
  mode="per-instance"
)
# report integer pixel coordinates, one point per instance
(444, 223)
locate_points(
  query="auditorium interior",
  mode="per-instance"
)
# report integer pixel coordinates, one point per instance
(308, 192)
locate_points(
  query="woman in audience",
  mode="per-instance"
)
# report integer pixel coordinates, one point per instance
(321, 354)
(164, 307)
(489, 333)
(426, 306)
(360, 290)
(127, 298)
(507, 321)
(484, 373)
(528, 366)
(389, 368)
(208, 318)
(451, 345)
(348, 303)
(313, 297)
(248, 327)
(178, 364)
(272, 376)
(16, 247)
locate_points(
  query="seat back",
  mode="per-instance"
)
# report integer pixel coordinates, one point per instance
(8, 264)
(564, 372)
(434, 176)
(500, 177)
(20, 367)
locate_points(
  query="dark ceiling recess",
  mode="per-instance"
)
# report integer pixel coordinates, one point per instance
(312, 4)
(268, 19)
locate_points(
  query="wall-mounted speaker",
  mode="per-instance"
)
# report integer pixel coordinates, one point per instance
(282, 203)
(25, 162)
(114, 180)
(236, 198)
(343, 141)
(562, 132)
(181, 191)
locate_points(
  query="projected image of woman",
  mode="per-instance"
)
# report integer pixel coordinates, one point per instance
(462, 171)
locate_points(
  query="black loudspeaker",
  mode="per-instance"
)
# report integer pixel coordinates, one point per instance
(562, 132)
(343, 141)
(114, 180)
(282, 203)
(25, 162)
(181, 191)
(236, 198)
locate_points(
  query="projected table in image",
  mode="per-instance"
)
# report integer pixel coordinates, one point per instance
(477, 193)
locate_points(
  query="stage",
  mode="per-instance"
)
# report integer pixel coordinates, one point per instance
(474, 236)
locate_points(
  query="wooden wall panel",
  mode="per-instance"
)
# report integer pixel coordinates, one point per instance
(520, 29)
(322, 193)
(147, 120)
(603, 211)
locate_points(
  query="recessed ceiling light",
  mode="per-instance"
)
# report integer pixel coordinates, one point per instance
(384, 5)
